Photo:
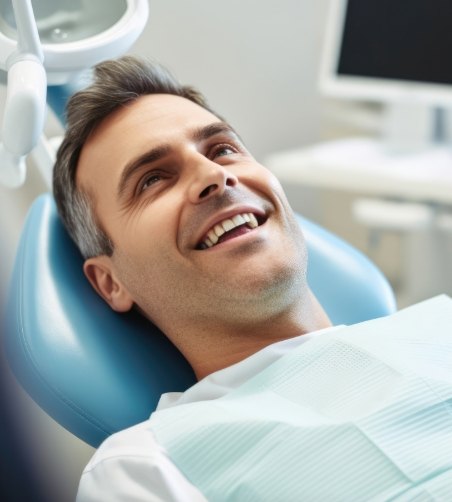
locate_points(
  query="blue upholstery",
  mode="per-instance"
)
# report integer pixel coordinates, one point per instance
(96, 371)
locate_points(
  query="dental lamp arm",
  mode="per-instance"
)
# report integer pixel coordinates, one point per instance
(25, 105)
(28, 42)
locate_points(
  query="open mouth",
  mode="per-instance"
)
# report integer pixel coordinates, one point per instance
(229, 228)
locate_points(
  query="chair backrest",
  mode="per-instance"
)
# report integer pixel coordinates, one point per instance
(95, 371)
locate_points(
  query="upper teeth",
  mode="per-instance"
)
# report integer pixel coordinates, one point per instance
(226, 225)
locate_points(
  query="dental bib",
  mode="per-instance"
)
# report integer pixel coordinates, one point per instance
(360, 413)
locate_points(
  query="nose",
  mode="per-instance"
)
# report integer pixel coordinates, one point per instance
(209, 180)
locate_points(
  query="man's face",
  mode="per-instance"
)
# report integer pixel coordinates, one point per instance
(201, 231)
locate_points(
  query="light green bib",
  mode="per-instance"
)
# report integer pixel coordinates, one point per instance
(360, 413)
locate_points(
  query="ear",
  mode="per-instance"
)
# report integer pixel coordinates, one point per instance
(99, 273)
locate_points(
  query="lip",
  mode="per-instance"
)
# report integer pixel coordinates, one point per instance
(258, 212)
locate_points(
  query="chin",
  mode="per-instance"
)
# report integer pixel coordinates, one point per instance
(274, 285)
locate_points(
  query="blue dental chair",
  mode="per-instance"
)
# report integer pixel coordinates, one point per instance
(95, 371)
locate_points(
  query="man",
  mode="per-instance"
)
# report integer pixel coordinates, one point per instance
(176, 219)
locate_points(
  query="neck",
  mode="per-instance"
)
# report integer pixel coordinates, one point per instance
(218, 346)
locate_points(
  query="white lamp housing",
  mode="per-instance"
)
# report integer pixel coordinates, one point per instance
(77, 34)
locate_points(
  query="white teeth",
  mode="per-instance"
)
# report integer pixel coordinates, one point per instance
(213, 237)
(238, 220)
(226, 225)
(253, 221)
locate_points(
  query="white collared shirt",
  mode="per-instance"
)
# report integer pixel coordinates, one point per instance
(131, 466)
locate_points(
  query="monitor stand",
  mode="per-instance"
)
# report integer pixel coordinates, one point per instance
(408, 126)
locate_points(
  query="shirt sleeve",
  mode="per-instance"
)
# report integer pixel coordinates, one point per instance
(132, 466)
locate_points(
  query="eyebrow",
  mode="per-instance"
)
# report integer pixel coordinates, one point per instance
(159, 152)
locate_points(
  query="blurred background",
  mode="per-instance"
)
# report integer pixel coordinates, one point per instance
(259, 64)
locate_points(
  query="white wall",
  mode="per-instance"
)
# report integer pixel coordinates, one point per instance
(257, 62)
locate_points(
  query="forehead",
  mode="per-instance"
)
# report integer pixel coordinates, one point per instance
(143, 124)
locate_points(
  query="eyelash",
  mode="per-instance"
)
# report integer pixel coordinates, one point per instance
(223, 146)
(146, 179)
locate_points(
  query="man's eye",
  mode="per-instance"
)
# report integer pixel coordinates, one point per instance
(149, 181)
(223, 150)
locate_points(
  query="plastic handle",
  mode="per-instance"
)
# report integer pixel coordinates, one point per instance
(12, 169)
(25, 106)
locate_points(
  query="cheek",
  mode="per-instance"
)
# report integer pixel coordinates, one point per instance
(147, 255)
(150, 276)
(150, 230)
(265, 181)
(293, 230)
(278, 190)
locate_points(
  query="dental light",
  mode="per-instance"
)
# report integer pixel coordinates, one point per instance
(52, 42)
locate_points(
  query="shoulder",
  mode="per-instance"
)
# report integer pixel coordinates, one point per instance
(136, 441)
(131, 465)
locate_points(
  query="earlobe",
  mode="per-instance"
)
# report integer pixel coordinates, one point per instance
(98, 272)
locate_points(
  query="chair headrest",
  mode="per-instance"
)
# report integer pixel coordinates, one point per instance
(96, 371)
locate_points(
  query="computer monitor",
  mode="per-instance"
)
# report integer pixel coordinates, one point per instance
(396, 52)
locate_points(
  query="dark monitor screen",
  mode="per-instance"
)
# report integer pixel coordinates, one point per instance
(389, 51)
(409, 40)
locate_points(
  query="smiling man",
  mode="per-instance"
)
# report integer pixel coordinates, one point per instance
(175, 218)
(201, 237)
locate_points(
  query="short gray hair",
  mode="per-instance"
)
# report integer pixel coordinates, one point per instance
(115, 83)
